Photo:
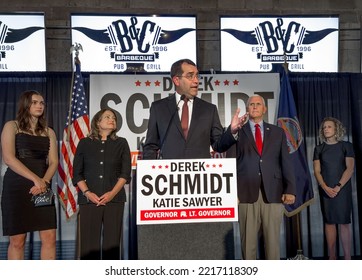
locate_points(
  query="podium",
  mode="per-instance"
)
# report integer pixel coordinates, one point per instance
(186, 209)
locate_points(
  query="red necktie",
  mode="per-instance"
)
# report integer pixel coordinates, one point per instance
(185, 118)
(258, 139)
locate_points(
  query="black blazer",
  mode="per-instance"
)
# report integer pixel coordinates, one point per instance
(101, 164)
(205, 130)
(274, 168)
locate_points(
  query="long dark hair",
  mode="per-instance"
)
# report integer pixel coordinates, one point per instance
(23, 116)
(94, 132)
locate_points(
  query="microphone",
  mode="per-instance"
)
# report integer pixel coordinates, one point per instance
(160, 156)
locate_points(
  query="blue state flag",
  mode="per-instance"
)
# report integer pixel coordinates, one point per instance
(288, 121)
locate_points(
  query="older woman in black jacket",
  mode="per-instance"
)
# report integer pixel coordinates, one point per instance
(101, 168)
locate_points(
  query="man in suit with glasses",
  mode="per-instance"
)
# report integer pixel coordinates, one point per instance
(183, 126)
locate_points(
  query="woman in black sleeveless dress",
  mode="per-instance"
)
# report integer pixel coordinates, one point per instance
(30, 151)
(333, 163)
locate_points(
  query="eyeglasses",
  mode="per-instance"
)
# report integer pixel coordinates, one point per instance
(191, 77)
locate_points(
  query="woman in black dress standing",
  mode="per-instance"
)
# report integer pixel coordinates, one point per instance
(29, 149)
(333, 165)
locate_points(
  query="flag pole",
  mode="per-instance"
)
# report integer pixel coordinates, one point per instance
(76, 128)
(74, 48)
(299, 255)
(285, 64)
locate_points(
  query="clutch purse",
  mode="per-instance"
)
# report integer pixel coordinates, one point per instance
(43, 199)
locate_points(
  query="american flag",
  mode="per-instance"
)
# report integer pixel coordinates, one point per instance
(75, 129)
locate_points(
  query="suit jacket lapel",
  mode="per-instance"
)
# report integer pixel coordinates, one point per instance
(171, 104)
(266, 140)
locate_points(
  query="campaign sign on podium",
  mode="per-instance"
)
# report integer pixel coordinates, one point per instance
(186, 191)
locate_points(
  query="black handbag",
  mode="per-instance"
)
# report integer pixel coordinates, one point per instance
(44, 199)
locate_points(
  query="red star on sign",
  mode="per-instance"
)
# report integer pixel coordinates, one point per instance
(235, 82)
(138, 83)
(226, 82)
(148, 83)
(157, 83)
(217, 83)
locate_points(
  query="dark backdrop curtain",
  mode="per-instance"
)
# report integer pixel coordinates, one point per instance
(317, 95)
(55, 87)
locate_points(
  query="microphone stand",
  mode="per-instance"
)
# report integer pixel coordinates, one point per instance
(160, 156)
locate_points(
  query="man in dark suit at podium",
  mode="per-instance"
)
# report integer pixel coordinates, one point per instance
(165, 136)
(183, 126)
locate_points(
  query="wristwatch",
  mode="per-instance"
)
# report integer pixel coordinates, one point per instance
(339, 184)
